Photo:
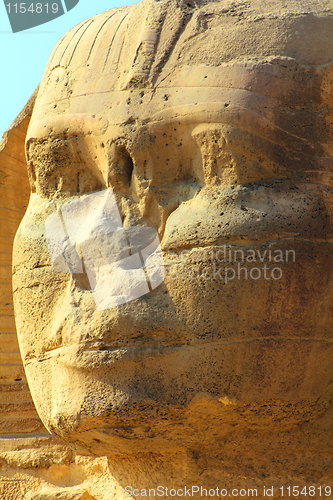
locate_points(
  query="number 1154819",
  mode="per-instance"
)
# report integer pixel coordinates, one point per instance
(310, 491)
(38, 8)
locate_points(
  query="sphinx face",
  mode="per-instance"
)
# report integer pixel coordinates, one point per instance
(175, 260)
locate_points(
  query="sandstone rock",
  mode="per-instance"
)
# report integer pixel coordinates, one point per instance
(60, 494)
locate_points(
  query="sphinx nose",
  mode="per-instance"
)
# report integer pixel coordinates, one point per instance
(120, 168)
(127, 179)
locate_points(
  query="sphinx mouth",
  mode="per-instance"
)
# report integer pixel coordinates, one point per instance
(113, 347)
(97, 356)
(107, 350)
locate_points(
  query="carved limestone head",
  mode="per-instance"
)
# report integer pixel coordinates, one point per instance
(174, 265)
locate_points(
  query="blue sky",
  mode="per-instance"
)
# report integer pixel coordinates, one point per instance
(25, 54)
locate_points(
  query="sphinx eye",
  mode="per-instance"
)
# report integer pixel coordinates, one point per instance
(58, 168)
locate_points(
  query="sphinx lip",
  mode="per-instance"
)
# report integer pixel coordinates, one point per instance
(108, 356)
(110, 338)
(102, 348)
(113, 338)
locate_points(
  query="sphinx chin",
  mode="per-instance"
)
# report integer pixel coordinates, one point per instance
(133, 425)
(140, 426)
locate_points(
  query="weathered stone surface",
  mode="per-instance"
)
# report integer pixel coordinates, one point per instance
(35, 454)
(60, 494)
(210, 123)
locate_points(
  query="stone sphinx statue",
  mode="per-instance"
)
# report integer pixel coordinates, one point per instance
(173, 272)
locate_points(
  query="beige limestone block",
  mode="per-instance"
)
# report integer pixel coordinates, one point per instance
(60, 494)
